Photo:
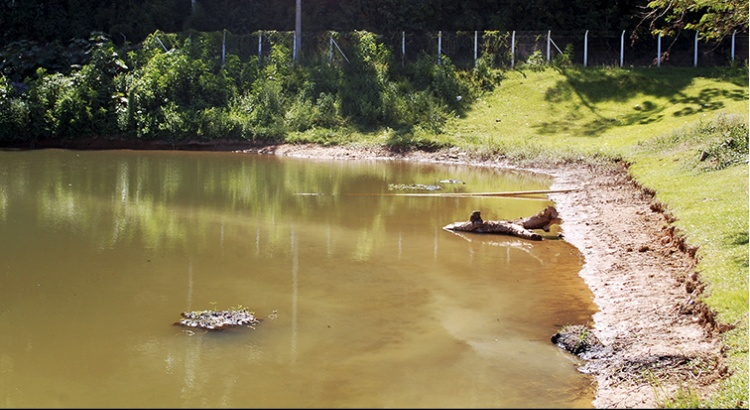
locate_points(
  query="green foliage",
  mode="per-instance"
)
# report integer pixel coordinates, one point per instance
(493, 43)
(713, 19)
(728, 143)
(185, 93)
(565, 59)
(535, 61)
(216, 123)
(164, 95)
(364, 81)
(718, 144)
(483, 76)
(20, 59)
(14, 113)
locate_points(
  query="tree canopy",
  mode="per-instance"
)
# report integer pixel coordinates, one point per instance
(713, 19)
(134, 20)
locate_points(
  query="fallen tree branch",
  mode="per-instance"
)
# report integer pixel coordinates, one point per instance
(522, 228)
(520, 194)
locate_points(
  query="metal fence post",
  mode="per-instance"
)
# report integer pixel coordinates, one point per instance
(695, 50)
(440, 46)
(586, 49)
(294, 49)
(330, 49)
(549, 38)
(260, 46)
(733, 34)
(403, 47)
(475, 48)
(622, 48)
(224, 47)
(513, 50)
(658, 51)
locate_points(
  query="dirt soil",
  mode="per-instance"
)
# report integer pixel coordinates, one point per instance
(657, 339)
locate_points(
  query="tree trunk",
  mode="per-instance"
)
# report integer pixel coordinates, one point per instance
(522, 228)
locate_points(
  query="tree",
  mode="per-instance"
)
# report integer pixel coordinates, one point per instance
(713, 19)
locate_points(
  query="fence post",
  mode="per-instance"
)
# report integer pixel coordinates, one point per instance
(330, 49)
(162, 44)
(549, 38)
(733, 34)
(475, 48)
(658, 51)
(403, 47)
(297, 31)
(586, 49)
(260, 46)
(294, 49)
(695, 50)
(440, 46)
(223, 47)
(622, 48)
(513, 50)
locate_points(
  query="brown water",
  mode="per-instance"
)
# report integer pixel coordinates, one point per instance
(375, 305)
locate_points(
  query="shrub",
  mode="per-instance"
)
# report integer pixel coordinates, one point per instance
(14, 112)
(536, 61)
(727, 140)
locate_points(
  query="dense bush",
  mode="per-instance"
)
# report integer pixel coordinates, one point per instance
(175, 87)
(14, 113)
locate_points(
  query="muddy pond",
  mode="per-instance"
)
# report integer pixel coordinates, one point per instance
(366, 301)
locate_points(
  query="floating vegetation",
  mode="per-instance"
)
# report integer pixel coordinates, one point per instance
(218, 319)
(413, 187)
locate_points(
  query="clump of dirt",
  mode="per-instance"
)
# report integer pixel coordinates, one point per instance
(653, 336)
(578, 340)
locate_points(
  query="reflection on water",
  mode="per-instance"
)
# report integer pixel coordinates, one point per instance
(377, 306)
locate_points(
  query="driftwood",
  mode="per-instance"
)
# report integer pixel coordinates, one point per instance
(522, 228)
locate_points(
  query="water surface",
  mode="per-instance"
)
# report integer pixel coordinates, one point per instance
(366, 301)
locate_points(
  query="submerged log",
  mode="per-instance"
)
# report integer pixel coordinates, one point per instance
(522, 228)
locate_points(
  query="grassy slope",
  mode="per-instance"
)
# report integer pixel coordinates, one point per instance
(637, 115)
(613, 113)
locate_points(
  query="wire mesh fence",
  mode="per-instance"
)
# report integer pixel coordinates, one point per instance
(500, 49)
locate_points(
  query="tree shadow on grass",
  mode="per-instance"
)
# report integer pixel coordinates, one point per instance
(590, 87)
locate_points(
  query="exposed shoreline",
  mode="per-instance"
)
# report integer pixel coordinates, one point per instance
(638, 269)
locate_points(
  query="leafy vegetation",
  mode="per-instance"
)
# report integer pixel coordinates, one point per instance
(181, 92)
(684, 131)
(711, 18)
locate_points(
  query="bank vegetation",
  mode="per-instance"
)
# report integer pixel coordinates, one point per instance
(683, 132)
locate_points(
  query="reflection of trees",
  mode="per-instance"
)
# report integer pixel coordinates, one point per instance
(161, 199)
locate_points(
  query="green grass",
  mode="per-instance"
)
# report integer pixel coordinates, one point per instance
(710, 202)
(671, 125)
(660, 121)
